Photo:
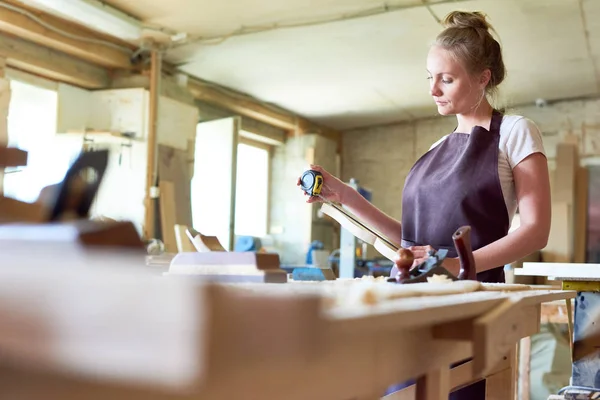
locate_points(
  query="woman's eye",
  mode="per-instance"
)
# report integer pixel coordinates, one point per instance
(430, 77)
(446, 81)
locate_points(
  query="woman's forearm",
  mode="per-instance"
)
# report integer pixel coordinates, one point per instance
(514, 246)
(372, 216)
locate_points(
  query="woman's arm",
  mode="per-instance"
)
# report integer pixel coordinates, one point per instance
(371, 215)
(532, 188)
(335, 190)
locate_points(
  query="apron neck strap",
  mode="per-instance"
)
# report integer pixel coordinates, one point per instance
(496, 121)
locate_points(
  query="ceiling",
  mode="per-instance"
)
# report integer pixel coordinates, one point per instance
(370, 70)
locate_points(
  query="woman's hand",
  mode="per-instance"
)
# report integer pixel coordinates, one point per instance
(332, 190)
(421, 254)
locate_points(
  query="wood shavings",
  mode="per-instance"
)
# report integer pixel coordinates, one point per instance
(438, 279)
(370, 291)
(504, 287)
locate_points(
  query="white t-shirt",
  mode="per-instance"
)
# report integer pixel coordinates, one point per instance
(519, 138)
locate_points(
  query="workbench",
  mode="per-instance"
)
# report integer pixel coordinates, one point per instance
(117, 331)
(584, 278)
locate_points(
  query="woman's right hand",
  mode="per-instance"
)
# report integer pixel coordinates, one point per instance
(332, 190)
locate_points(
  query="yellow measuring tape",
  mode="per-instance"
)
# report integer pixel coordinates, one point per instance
(581, 286)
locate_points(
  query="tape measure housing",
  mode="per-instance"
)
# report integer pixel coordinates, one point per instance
(312, 182)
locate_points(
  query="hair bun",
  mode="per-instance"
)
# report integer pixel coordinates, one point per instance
(466, 19)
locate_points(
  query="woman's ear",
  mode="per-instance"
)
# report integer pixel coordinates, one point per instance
(485, 77)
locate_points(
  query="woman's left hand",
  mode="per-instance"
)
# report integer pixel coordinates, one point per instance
(421, 254)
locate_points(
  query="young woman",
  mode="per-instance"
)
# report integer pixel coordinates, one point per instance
(477, 175)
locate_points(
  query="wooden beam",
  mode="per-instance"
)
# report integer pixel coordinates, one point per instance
(248, 107)
(152, 169)
(25, 27)
(39, 60)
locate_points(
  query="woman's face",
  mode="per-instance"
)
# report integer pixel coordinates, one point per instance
(453, 89)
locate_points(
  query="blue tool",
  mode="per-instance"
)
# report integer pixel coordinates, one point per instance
(312, 274)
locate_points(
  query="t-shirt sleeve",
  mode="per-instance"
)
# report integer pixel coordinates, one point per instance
(523, 140)
(438, 142)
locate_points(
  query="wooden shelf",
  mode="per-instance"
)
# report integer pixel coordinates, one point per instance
(106, 136)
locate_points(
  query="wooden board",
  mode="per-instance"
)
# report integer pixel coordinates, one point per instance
(561, 271)
(173, 167)
(168, 212)
(359, 229)
(183, 241)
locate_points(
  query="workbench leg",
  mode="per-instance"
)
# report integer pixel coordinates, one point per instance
(524, 368)
(502, 385)
(434, 386)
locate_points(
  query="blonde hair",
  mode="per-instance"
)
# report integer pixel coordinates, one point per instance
(467, 36)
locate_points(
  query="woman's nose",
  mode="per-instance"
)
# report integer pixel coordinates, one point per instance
(435, 90)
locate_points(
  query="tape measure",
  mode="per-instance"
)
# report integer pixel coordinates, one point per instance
(312, 182)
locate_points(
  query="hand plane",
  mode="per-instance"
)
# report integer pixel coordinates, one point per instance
(433, 264)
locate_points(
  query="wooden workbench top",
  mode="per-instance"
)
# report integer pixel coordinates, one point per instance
(121, 327)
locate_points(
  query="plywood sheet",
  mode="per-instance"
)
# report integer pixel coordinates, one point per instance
(173, 167)
(168, 212)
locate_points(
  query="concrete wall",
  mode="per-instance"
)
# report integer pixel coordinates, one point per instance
(380, 157)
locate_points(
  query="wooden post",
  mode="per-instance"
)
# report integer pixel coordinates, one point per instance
(152, 168)
(502, 385)
(4, 104)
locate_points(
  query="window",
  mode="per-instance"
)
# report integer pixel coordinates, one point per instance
(221, 146)
(32, 127)
(252, 190)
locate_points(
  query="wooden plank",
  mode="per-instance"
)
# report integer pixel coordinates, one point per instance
(152, 164)
(564, 271)
(168, 215)
(39, 60)
(20, 25)
(501, 385)
(435, 385)
(184, 244)
(581, 211)
(497, 332)
(560, 241)
(555, 312)
(173, 167)
(524, 368)
(567, 163)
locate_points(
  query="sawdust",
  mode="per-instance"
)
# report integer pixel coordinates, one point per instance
(438, 279)
(370, 291)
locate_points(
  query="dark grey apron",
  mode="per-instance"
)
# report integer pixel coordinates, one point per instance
(455, 184)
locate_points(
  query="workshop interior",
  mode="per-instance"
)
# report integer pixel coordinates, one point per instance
(237, 200)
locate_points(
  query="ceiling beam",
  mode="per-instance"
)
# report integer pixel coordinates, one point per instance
(21, 25)
(39, 60)
(248, 107)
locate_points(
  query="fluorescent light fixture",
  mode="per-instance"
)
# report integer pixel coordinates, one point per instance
(94, 14)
